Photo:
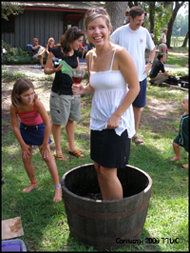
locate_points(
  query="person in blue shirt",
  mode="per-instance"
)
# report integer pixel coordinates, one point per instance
(38, 51)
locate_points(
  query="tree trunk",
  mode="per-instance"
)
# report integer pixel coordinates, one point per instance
(171, 22)
(185, 40)
(151, 17)
(117, 11)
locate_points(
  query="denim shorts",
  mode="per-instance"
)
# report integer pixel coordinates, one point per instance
(140, 100)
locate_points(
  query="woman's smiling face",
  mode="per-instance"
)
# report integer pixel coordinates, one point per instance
(77, 43)
(97, 31)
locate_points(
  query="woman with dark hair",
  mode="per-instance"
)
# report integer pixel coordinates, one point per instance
(63, 108)
(158, 73)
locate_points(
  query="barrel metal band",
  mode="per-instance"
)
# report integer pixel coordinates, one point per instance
(107, 240)
(106, 215)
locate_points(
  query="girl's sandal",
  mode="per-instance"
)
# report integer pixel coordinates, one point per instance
(137, 141)
(76, 153)
(59, 157)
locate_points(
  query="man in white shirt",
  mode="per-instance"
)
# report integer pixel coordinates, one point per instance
(163, 38)
(136, 39)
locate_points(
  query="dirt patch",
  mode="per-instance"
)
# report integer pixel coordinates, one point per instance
(176, 50)
(159, 114)
(156, 117)
(6, 101)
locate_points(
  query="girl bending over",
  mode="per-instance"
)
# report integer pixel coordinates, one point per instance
(35, 129)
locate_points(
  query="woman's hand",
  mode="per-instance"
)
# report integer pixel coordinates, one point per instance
(49, 67)
(77, 89)
(113, 122)
(58, 68)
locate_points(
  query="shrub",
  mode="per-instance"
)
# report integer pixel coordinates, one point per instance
(16, 55)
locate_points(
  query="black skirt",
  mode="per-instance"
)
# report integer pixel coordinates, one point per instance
(109, 149)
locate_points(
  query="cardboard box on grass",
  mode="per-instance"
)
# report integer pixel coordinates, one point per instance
(12, 228)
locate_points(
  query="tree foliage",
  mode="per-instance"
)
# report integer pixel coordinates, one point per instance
(177, 6)
(180, 26)
(159, 14)
(185, 40)
(7, 8)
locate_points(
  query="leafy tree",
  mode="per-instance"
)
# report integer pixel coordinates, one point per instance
(159, 19)
(177, 6)
(185, 40)
(180, 26)
(152, 15)
(7, 8)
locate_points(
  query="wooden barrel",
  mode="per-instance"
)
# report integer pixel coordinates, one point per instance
(106, 224)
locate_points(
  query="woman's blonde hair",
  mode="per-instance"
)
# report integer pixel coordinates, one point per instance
(96, 13)
(51, 38)
(19, 87)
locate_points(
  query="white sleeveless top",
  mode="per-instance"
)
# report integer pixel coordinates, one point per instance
(110, 90)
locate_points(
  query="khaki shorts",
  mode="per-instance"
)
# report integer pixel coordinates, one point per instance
(64, 108)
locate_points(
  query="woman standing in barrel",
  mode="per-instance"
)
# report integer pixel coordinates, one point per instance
(114, 82)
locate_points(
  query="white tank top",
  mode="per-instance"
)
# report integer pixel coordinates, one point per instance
(110, 90)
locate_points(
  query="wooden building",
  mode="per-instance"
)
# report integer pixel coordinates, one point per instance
(44, 20)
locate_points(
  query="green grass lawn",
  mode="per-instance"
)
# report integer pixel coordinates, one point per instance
(177, 41)
(177, 59)
(45, 223)
(178, 56)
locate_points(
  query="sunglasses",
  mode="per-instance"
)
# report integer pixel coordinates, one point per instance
(96, 10)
